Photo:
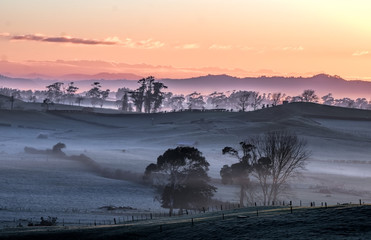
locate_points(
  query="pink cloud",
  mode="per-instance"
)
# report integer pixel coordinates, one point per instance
(128, 42)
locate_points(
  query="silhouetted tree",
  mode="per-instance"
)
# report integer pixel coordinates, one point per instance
(361, 103)
(55, 92)
(239, 173)
(176, 102)
(276, 98)
(309, 96)
(180, 176)
(328, 99)
(96, 95)
(195, 101)
(125, 103)
(217, 100)
(279, 154)
(256, 100)
(70, 92)
(149, 95)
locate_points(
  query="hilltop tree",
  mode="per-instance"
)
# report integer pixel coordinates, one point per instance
(176, 102)
(195, 101)
(180, 176)
(277, 98)
(309, 96)
(149, 95)
(217, 100)
(97, 96)
(70, 92)
(328, 99)
(256, 100)
(55, 91)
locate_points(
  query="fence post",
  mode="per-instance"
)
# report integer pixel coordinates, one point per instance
(360, 201)
(192, 221)
(223, 216)
(257, 212)
(291, 209)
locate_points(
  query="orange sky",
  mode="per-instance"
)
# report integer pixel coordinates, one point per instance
(237, 37)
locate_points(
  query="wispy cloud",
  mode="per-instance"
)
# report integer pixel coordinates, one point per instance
(290, 48)
(360, 53)
(188, 46)
(128, 42)
(143, 44)
(220, 47)
(63, 39)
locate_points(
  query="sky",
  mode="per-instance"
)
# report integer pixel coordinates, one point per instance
(169, 38)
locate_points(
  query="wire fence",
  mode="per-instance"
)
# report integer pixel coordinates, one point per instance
(85, 218)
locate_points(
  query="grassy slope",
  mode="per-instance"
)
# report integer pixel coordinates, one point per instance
(337, 222)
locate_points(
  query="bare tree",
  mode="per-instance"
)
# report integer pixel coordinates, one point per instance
(280, 155)
(256, 100)
(276, 98)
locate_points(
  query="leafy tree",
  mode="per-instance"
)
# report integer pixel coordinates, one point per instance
(125, 103)
(180, 176)
(149, 95)
(55, 91)
(239, 173)
(176, 102)
(121, 92)
(345, 102)
(79, 99)
(217, 100)
(361, 103)
(328, 99)
(97, 95)
(157, 96)
(70, 92)
(103, 96)
(309, 96)
(195, 101)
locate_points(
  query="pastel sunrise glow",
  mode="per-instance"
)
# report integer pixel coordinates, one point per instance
(187, 38)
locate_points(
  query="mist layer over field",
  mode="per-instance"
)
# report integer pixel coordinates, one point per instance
(120, 146)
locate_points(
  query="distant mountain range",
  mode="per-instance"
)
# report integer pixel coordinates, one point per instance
(322, 84)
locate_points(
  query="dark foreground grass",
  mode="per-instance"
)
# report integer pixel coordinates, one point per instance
(336, 222)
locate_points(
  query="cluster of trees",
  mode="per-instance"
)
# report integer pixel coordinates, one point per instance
(264, 165)
(150, 97)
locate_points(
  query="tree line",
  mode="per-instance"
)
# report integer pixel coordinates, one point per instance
(150, 96)
(264, 165)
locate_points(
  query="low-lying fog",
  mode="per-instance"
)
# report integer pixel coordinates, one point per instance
(118, 148)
